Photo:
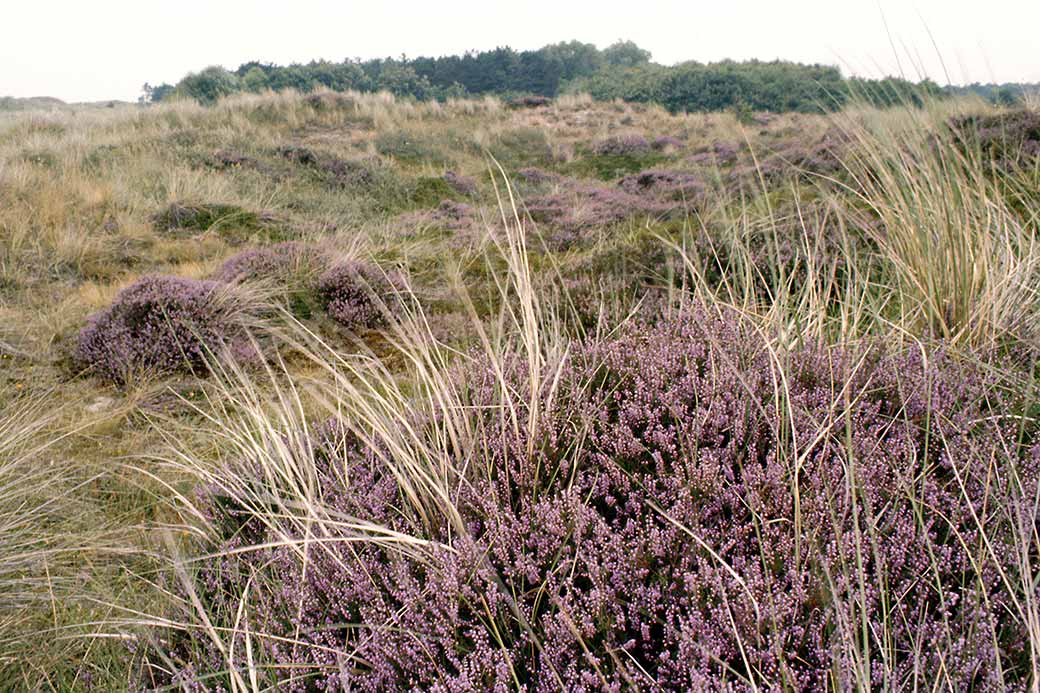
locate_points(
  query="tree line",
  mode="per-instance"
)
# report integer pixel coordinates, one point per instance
(622, 70)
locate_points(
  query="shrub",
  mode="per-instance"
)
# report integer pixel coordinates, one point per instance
(676, 185)
(537, 176)
(463, 185)
(332, 170)
(292, 268)
(275, 262)
(622, 145)
(351, 293)
(1005, 138)
(675, 520)
(226, 159)
(579, 207)
(666, 142)
(159, 324)
(530, 101)
(719, 153)
(616, 156)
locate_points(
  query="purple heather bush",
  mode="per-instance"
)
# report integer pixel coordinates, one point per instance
(579, 208)
(268, 263)
(669, 184)
(719, 154)
(1007, 139)
(449, 215)
(463, 185)
(537, 176)
(351, 293)
(622, 145)
(666, 142)
(679, 519)
(159, 324)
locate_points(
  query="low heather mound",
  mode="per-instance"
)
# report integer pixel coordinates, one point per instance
(577, 208)
(1005, 138)
(622, 145)
(463, 185)
(680, 519)
(158, 324)
(269, 263)
(670, 184)
(351, 293)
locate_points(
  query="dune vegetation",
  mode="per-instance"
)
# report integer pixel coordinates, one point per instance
(340, 391)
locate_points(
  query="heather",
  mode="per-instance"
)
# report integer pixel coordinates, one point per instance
(355, 294)
(160, 324)
(689, 511)
(331, 390)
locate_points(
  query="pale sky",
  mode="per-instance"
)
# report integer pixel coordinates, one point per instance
(89, 50)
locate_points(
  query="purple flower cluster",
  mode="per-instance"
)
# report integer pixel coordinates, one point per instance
(670, 184)
(275, 262)
(622, 145)
(680, 519)
(719, 154)
(332, 169)
(665, 142)
(530, 101)
(1006, 138)
(351, 293)
(537, 176)
(792, 157)
(463, 185)
(158, 324)
(574, 207)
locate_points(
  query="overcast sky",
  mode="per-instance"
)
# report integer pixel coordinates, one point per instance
(80, 50)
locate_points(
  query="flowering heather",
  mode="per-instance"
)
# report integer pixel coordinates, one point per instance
(463, 185)
(674, 523)
(576, 207)
(719, 154)
(666, 142)
(158, 324)
(530, 101)
(449, 215)
(273, 262)
(579, 207)
(332, 169)
(537, 176)
(676, 185)
(792, 158)
(350, 293)
(1005, 138)
(622, 145)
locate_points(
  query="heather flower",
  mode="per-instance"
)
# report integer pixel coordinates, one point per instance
(332, 169)
(676, 185)
(646, 533)
(1005, 138)
(577, 208)
(448, 215)
(463, 185)
(159, 324)
(622, 145)
(272, 263)
(666, 142)
(720, 153)
(351, 293)
(537, 176)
